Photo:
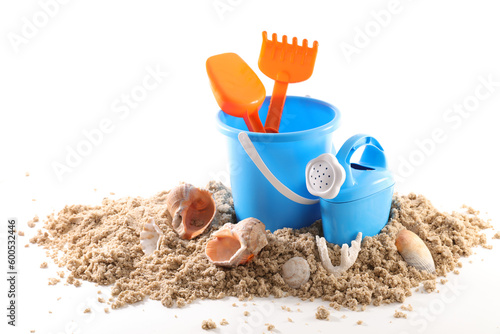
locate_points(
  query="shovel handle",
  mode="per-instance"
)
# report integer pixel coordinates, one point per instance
(276, 107)
(253, 122)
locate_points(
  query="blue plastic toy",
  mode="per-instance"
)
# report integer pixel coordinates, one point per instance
(267, 169)
(363, 202)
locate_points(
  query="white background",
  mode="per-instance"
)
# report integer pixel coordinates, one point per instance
(70, 73)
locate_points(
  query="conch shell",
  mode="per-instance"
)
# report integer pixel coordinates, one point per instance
(236, 244)
(296, 272)
(414, 251)
(192, 210)
(149, 237)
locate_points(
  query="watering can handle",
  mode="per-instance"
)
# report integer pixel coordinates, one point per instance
(252, 153)
(373, 156)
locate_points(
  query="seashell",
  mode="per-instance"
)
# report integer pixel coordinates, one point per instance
(414, 251)
(192, 210)
(149, 237)
(296, 272)
(236, 244)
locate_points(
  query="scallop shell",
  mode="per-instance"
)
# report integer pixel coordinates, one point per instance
(236, 244)
(296, 272)
(192, 210)
(414, 251)
(149, 237)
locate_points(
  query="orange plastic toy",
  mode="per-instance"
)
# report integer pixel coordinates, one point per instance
(237, 89)
(285, 63)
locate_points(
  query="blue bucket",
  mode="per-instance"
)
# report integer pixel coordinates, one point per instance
(306, 131)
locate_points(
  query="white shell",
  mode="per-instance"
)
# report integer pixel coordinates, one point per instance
(414, 251)
(149, 237)
(296, 272)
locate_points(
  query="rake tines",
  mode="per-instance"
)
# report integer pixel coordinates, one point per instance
(285, 63)
(294, 54)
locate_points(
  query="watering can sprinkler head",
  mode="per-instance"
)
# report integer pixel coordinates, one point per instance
(324, 176)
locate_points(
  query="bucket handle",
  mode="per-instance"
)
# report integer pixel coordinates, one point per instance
(252, 153)
(373, 156)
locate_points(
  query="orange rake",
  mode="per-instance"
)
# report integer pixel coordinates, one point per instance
(285, 63)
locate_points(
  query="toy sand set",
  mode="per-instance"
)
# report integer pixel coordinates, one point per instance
(300, 218)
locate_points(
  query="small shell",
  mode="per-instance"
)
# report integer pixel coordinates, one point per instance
(149, 237)
(296, 272)
(236, 244)
(414, 251)
(192, 210)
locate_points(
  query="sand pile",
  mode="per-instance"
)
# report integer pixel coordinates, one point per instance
(101, 244)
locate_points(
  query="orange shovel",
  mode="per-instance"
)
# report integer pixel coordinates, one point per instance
(285, 63)
(237, 89)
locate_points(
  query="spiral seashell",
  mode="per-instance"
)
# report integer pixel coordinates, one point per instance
(236, 244)
(414, 251)
(192, 210)
(296, 272)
